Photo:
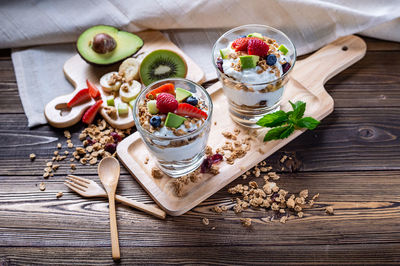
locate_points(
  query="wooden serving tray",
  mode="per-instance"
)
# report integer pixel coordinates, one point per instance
(306, 84)
(76, 70)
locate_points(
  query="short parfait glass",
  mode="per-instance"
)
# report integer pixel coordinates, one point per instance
(177, 155)
(248, 102)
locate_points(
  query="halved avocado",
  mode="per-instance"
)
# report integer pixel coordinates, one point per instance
(106, 45)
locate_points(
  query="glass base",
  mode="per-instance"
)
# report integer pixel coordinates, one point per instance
(177, 169)
(248, 117)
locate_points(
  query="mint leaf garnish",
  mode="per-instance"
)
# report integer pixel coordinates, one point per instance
(273, 120)
(298, 110)
(307, 122)
(283, 124)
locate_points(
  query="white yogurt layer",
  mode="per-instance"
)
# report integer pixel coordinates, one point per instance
(181, 153)
(250, 75)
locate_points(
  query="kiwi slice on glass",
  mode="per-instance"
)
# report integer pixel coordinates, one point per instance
(162, 64)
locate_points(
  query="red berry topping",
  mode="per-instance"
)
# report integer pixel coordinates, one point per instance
(90, 114)
(82, 96)
(93, 91)
(185, 109)
(168, 88)
(241, 43)
(257, 47)
(166, 103)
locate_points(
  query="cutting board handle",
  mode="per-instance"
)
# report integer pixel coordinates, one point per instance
(328, 61)
(59, 115)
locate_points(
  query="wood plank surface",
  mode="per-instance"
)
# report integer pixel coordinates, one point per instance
(352, 160)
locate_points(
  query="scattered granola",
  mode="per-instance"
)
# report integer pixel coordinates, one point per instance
(246, 222)
(205, 221)
(32, 156)
(329, 210)
(42, 186)
(59, 194)
(156, 172)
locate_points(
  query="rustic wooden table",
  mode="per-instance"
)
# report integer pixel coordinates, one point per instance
(352, 160)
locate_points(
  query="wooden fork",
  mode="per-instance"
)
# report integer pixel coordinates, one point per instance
(89, 188)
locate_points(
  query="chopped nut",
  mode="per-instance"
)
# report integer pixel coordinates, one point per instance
(59, 194)
(73, 166)
(32, 156)
(46, 175)
(283, 219)
(300, 214)
(59, 146)
(329, 210)
(42, 186)
(304, 193)
(246, 222)
(205, 221)
(67, 134)
(156, 172)
(217, 209)
(70, 145)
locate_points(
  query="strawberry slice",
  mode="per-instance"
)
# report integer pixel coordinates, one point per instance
(241, 43)
(90, 114)
(168, 88)
(82, 96)
(93, 91)
(257, 47)
(185, 109)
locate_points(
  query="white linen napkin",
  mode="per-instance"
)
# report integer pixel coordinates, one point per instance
(196, 23)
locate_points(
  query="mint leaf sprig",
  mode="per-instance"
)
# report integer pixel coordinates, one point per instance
(283, 123)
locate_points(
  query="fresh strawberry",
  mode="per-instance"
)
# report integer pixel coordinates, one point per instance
(242, 43)
(185, 109)
(93, 91)
(90, 114)
(166, 103)
(258, 47)
(168, 88)
(82, 96)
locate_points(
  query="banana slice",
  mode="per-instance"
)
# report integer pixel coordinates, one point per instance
(110, 82)
(129, 69)
(129, 91)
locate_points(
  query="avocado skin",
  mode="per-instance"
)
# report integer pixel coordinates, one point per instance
(109, 64)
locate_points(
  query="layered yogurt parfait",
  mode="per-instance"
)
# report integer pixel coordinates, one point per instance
(173, 117)
(252, 63)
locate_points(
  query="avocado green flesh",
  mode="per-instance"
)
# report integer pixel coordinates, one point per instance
(127, 45)
(174, 120)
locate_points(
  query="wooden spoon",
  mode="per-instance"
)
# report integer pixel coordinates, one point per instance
(108, 170)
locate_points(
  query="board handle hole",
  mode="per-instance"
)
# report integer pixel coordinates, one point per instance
(63, 108)
(345, 48)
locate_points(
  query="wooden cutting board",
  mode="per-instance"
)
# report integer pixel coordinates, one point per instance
(76, 70)
(306, 84)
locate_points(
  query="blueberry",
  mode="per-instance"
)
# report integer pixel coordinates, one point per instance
(271, 60)
(285, 67)
(192, 101)
(219, 64)
(243, 36)
(155, 121)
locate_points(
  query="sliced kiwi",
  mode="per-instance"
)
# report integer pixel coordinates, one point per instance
(162, 64)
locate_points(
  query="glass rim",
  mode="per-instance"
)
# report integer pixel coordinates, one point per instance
(253, 25)
(198, 130)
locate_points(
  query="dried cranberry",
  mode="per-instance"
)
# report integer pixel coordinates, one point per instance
(216, 158)
(90, 141)
(285, 67)
(209, 161)
(110, 147)
(206, 165)
(117, 138)
(219, 64)
(274, 196)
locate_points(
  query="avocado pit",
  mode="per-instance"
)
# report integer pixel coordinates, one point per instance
(103, 43)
